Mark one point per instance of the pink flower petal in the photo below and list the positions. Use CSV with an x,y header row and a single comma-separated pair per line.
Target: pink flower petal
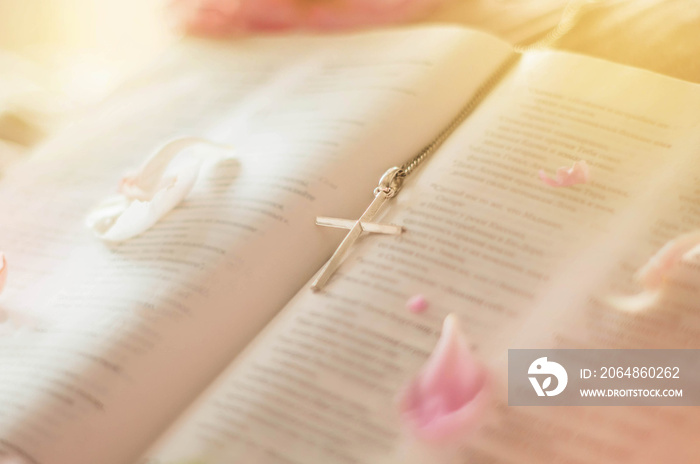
x,y
271,15
565,177
652,274
218,17
147,195
417,304
447,398
355,13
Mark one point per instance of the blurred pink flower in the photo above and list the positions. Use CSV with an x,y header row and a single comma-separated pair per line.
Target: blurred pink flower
x,y
566,177
222,17
445,402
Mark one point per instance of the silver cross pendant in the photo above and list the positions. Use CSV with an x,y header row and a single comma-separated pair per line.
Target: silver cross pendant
x,y
389,185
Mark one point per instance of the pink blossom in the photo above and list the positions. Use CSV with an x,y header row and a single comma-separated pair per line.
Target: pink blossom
x,y
566,177
447,398
221,17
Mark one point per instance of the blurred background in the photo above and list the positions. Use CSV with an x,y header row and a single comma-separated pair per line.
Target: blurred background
x,y
80,36
58,57
84,47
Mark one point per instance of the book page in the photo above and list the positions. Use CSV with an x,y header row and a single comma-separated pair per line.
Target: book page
x,y
103,344
521,263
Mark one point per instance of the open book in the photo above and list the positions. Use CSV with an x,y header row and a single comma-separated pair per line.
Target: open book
x,y
113,352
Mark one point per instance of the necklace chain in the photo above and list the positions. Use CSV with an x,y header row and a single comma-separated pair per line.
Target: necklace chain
x,y
570,16
408,167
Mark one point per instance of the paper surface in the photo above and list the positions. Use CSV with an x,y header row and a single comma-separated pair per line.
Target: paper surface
x,y
117,347
519,262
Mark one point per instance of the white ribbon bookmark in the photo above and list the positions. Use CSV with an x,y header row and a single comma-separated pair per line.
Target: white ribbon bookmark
x,y
148,194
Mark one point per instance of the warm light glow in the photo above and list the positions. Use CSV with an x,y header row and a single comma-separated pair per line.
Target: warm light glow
x,y
88,45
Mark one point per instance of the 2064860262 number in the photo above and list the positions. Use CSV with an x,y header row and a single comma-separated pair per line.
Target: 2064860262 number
x,y
640,372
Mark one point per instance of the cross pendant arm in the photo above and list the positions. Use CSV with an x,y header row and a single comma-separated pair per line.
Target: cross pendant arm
x,y
386,229
389,185
349,240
